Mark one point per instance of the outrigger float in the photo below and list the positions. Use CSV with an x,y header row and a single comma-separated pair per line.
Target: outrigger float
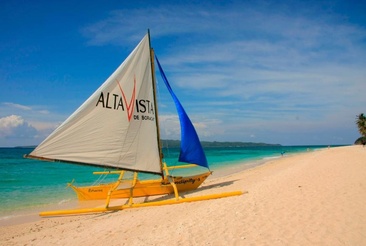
x,y
118,127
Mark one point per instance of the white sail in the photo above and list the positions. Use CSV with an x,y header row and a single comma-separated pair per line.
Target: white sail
x,y
116,126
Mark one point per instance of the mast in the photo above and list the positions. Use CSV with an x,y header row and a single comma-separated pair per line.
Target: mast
x,y
155,103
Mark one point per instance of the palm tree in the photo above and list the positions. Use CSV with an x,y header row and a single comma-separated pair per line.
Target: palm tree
x,y
361,124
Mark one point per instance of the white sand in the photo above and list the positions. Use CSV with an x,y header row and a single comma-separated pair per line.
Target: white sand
x,y
316,198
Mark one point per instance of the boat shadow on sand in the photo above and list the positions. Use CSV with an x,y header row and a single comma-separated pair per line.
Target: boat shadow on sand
x,y
171,196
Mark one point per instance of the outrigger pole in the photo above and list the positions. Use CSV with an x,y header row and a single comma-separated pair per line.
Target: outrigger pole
x,y
140,205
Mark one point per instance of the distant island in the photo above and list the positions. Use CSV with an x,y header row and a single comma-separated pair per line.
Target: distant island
x,y
205,144
215,144
25,147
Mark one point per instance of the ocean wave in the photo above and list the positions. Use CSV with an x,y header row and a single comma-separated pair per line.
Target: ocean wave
x,y
271,157
64,201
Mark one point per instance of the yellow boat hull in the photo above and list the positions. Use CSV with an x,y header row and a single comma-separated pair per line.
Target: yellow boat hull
x,y
142,188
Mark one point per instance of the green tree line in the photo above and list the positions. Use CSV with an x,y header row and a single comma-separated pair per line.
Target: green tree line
x,y
361,124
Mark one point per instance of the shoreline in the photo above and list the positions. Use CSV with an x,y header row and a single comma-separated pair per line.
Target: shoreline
x,y
19,203
23,216
30,215
311,198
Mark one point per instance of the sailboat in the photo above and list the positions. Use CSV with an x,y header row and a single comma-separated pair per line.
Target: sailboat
x,y
118,127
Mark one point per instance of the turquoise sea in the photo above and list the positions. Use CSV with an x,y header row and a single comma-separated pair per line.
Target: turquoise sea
x,y
30,184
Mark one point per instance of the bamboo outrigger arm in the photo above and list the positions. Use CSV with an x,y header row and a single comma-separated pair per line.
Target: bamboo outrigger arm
x,y
114,188
165,169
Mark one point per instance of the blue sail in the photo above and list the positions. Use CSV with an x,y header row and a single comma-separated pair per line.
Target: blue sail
x,y
191,150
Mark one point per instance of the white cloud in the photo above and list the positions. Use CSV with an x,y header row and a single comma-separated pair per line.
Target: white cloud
x,y
25,125
7,123
169,125
43,111
14,126
18,106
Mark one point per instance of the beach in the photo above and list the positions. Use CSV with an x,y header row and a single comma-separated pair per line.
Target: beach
x,y
313,198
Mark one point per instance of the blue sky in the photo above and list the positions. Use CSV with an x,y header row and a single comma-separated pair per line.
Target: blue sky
x,y
287,72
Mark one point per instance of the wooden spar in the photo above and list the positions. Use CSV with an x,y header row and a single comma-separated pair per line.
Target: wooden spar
x,y
179,167
84,164
169,168
139,205
39,158
109,172
155,104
